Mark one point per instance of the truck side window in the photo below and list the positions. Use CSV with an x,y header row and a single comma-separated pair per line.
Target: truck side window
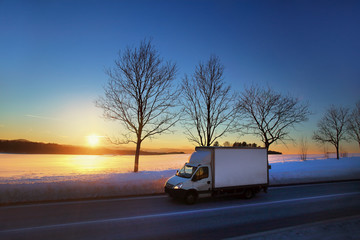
x,y
202,173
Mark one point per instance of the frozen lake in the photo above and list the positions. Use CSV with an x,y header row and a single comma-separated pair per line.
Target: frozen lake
x,y
20,166
35,166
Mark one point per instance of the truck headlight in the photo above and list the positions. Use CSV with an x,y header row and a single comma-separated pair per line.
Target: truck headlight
x,y
178,186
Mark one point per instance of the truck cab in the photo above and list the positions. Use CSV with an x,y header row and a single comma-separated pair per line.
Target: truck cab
x,y
194,179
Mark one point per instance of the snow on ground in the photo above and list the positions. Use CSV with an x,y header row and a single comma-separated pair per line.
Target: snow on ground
x,y
91,184
314,170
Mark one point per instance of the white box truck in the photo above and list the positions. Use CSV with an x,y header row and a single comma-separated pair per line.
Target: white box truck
x,y
212,171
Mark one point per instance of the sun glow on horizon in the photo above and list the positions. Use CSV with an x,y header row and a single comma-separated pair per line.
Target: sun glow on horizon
x,y
93,140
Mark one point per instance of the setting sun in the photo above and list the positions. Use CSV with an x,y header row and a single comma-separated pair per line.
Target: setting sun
x,y
93,140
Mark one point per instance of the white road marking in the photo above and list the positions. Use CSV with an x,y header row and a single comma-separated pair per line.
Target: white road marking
x,y
168,214
309,184
84,201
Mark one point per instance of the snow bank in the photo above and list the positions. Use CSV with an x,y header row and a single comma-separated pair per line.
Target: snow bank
x,y
46,188
314,170
91,186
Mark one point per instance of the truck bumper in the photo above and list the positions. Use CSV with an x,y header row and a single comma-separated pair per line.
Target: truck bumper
x,y
175,193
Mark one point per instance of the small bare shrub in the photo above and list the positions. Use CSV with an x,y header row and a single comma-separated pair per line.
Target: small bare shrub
x,y
326,152
343,153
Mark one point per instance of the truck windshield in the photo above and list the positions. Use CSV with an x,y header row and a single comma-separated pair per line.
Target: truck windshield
x,y
186,171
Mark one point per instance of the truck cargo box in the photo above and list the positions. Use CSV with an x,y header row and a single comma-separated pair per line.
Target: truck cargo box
x,y
239,167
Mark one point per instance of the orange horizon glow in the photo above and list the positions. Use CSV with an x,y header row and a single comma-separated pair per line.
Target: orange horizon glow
x,y
167,144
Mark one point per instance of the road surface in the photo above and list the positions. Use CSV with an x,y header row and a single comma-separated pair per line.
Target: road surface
x,y
158,217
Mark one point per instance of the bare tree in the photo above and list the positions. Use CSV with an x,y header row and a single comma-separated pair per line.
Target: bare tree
x,y
332,127
208,103
269,114
354,124
139,94
303,148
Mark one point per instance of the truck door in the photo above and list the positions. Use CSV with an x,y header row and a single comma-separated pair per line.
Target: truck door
x,y
202,179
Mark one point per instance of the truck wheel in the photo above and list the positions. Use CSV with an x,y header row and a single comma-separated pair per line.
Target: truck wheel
x,y
191,198
248,193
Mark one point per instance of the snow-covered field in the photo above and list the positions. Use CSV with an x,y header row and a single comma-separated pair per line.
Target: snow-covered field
x,y
57,177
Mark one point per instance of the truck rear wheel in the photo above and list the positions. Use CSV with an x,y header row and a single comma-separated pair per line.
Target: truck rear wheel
x,y
191,198
248,193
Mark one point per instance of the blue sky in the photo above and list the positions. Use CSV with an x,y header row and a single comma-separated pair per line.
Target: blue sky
x,y
53,55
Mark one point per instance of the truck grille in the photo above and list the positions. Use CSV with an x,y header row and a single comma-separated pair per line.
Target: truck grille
x,y
168,185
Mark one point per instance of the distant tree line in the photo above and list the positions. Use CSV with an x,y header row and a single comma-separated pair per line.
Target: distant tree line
x,y
236,144
243,144
28,147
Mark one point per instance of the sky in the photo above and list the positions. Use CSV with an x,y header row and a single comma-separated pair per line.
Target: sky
x,y
53,55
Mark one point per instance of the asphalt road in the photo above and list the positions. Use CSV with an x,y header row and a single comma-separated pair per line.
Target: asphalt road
x,y
158,217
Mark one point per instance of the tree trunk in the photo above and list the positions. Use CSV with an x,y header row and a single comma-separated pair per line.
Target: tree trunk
x,y
267,145
137,155
337,152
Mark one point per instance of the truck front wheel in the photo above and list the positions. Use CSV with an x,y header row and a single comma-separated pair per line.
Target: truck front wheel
x,y
248,193
191,197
